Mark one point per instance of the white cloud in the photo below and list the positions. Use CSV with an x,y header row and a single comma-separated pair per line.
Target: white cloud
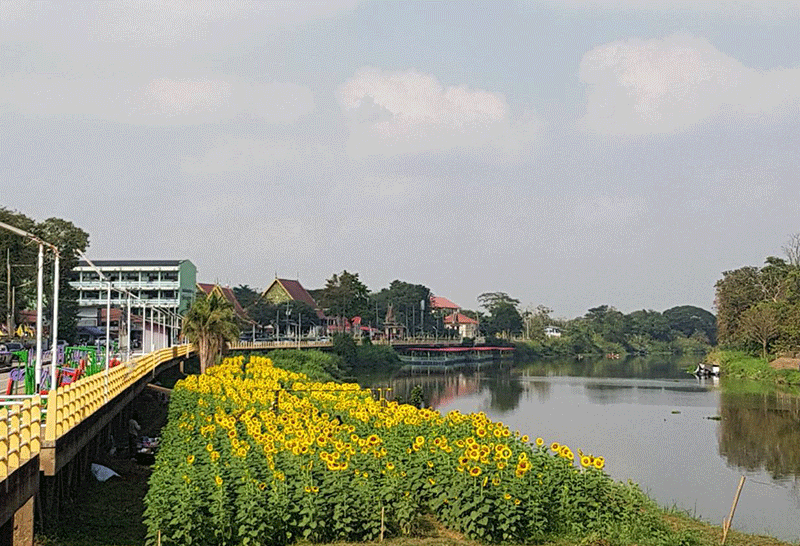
x,y
396,113
237,155
160,101
667,85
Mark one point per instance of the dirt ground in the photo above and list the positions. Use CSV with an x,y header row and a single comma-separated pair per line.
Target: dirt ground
x,y
786,363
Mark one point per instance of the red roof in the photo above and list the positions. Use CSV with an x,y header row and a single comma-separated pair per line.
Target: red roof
x,y
297,293
438,302
459,318
229,295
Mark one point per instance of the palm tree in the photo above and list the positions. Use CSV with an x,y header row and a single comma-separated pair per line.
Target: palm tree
x,y
209,325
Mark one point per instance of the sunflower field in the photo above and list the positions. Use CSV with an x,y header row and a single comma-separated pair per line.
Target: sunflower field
x,y
254,454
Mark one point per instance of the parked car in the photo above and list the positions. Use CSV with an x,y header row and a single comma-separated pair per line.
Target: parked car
x,y
7,350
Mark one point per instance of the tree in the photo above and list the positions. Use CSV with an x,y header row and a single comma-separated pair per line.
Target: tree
x,y
607,323
209,325
792,249
69,239
689,321
736,292
772,278
536,320
760,324
345,296
649,324
247,296
21,255
504,318
345,347
411,303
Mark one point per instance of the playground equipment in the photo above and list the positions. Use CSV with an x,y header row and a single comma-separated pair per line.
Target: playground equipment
x,y
77,362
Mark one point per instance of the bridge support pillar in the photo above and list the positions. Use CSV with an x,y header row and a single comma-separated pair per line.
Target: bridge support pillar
x,y
23,525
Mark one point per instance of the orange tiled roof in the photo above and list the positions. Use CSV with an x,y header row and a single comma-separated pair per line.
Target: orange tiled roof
x,y
459,318
438,302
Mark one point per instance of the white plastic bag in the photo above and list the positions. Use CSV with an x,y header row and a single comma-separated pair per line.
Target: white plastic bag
x,y
102,473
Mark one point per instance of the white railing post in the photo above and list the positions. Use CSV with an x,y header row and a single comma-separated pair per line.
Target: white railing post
x,y
39,283
54,329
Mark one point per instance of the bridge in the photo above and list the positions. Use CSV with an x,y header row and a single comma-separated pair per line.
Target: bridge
x,y
44,437
48,440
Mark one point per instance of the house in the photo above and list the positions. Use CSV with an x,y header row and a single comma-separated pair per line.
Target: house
x,y
286,290
443,305
466,326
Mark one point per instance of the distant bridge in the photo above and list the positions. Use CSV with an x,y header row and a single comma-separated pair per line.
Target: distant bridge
x,y
312,344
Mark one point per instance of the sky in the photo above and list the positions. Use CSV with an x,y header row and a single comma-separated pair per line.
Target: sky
x,y
570,154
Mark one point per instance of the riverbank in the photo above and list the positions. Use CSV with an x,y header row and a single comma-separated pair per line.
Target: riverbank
x,y
740,365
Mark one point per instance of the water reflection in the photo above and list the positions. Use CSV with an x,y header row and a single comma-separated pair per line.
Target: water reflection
x,y
761,431
503,387
644,367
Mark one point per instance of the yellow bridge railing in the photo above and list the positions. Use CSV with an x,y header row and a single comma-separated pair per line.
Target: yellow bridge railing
x,y
76,401
21,419
20,431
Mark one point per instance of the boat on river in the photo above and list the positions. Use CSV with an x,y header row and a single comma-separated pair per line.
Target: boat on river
x,y
706,371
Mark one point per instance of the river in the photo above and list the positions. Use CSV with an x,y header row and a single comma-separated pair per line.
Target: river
x,y
685,441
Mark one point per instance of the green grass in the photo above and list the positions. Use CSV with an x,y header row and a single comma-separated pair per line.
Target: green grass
x,y
740,365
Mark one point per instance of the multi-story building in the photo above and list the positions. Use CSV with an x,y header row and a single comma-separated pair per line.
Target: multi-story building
x,y
157,286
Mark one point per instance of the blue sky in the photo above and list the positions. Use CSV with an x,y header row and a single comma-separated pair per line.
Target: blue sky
x,y
571,154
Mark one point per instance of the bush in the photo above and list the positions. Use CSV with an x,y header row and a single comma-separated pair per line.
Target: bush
x,y
318,366
345,347
377,357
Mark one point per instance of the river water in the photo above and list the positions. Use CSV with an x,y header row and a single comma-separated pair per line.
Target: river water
x,y
685,441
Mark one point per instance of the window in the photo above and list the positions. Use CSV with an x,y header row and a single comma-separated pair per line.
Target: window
x,y
171,276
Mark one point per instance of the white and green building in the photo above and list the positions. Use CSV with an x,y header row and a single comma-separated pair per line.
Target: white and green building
x,y
156,291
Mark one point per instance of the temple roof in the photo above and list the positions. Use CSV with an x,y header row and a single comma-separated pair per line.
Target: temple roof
x,y
227,293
